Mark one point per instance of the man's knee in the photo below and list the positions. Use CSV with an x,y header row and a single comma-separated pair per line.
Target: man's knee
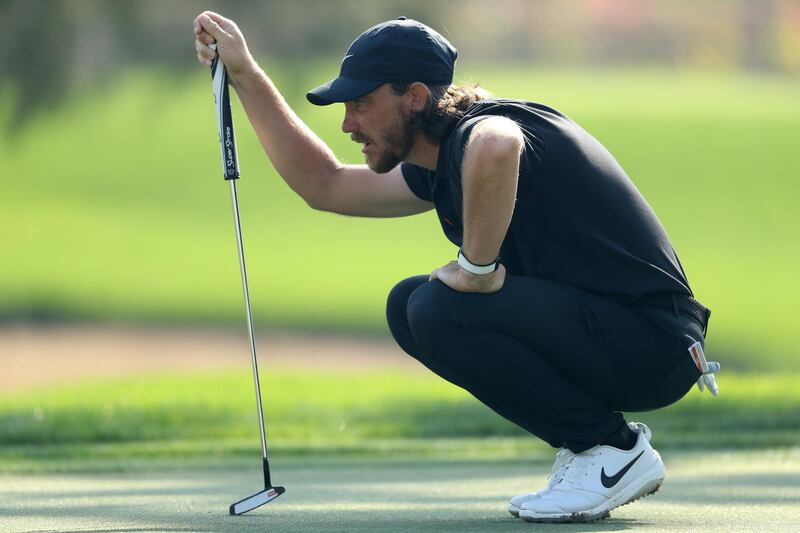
x,y
429,313
397,301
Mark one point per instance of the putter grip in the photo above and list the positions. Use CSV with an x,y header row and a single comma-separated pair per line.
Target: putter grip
x,y
227,140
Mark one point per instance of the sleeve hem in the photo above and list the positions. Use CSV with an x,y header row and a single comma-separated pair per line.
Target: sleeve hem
x,y
415,182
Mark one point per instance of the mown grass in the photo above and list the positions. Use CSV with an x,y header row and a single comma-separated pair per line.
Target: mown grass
x,y
211,417
113,207
710,491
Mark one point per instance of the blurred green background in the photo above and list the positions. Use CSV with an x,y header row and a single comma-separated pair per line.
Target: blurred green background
x,y
113,209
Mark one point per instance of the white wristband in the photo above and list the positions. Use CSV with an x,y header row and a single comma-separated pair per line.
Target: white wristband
x,y
479,270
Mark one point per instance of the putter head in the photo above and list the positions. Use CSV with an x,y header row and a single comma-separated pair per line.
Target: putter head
x,y
256,500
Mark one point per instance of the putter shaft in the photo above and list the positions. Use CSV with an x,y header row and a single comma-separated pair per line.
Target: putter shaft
x,y
245,288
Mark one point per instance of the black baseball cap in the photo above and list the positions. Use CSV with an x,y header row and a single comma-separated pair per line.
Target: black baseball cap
x,y
395,51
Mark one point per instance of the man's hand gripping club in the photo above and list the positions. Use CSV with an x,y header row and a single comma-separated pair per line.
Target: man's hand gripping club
x,y
211,28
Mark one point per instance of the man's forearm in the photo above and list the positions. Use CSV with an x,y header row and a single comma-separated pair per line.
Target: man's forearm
x,y
489,181
302,159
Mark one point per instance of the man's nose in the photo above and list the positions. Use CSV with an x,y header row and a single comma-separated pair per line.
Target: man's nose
x,y
348,124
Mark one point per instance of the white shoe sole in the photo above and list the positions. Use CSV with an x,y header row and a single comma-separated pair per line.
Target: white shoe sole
x,y
631,493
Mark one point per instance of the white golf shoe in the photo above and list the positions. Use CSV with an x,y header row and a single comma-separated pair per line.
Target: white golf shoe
x,y
596,481
563,457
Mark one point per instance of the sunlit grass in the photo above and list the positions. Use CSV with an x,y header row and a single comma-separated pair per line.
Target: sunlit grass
x,y
113,208
334,414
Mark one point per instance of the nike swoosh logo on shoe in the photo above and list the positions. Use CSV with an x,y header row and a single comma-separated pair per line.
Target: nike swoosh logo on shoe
x,y
610,481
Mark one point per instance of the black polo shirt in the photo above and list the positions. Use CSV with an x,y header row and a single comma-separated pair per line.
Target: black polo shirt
x,y
579,219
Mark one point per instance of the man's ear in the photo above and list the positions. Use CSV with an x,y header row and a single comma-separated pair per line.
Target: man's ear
x,y
417,96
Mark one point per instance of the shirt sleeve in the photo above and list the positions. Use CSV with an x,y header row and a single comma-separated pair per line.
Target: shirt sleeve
x,y
419,180
460,138
534,146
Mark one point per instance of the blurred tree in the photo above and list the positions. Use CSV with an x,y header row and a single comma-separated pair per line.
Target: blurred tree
x,y
757,22
52,47
36,57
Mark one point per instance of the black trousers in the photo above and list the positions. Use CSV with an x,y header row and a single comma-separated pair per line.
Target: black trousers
x,y
557,361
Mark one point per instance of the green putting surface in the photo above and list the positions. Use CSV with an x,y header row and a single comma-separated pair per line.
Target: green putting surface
x,y
737,491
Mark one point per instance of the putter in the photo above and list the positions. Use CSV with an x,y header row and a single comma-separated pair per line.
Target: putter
x,y
230,170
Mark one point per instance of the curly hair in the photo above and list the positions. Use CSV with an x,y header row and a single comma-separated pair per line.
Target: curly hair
x,y
446,106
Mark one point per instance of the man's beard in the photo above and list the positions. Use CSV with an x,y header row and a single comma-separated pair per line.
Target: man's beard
x,y
398,139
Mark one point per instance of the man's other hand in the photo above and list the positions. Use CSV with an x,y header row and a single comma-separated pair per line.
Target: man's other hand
x,y
460,280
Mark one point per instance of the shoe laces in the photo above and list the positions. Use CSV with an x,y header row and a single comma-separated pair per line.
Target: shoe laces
x,y
563,459
578,468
